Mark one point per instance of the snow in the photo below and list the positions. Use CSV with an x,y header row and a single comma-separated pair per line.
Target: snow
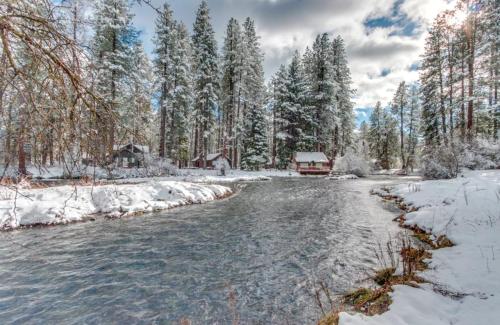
x,y
65,204
342,177
310,156
467,211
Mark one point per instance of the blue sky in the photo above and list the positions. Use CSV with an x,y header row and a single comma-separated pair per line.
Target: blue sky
x,y
384,39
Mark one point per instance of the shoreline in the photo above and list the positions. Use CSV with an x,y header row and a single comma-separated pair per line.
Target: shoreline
x,y
52,206
457,221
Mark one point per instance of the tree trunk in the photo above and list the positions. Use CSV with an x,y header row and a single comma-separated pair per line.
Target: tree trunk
x,y
401,134
21,155
470,106
462,93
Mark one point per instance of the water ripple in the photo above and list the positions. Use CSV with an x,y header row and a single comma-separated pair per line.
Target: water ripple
x,y
267,245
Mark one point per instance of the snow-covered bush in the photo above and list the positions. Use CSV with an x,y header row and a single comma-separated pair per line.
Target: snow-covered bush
x,y
352,163
480,154
161,166
440,162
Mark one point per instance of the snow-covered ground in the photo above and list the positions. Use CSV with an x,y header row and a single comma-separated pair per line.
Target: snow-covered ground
x,y
212,176
342,177
64,204
141,174
464,280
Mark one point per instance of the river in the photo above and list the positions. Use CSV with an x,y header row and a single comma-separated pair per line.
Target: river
x,y
255,256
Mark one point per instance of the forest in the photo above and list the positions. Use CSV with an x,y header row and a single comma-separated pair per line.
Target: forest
x,y
76,82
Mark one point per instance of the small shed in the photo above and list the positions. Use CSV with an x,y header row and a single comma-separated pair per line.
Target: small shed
x,y
130,155
315,163
214,161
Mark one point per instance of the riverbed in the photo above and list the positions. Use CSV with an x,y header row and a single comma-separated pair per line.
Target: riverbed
x,y
256,256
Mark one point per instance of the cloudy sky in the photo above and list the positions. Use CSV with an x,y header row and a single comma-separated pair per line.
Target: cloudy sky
x,y
384,39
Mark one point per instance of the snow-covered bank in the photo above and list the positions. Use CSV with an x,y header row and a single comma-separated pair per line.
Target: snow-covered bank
x,y
342,177
464,280
141,174
213,176
65,204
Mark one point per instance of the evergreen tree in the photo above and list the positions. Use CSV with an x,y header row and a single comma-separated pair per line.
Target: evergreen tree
x,y
413,116
112,56
181,98
282,153
296,111
399,108
205,80
363,140
136,122
344,127
319,70
383,136
254,153
163,66
231,88
431,78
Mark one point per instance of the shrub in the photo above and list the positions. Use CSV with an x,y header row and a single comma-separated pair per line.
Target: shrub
x,y
479,154
352,163
440,162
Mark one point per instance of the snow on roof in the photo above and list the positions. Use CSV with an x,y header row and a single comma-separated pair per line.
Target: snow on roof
x,y
144,149
310,156
210,156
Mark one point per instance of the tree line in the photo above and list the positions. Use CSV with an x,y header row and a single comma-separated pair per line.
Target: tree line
x,y
453,108
76,82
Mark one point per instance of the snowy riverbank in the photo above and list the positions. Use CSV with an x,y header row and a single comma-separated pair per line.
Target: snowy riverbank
x,y
63,204
213,176
464,280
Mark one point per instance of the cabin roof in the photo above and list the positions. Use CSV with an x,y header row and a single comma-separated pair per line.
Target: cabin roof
x,y
141,148
311,156
210,157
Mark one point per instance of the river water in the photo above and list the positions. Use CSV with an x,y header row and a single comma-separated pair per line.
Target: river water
x,y
256,256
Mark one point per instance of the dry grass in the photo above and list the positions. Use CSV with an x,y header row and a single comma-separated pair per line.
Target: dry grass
x,y
332,318
383,276
369,301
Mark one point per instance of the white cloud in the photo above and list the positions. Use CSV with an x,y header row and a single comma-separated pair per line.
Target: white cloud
x,y
289,25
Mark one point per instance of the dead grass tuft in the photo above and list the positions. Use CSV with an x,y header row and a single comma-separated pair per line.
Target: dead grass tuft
x,y
369,301
383,276
332,318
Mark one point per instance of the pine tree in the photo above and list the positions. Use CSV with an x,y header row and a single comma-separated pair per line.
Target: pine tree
x,y
296,110
112,56
137,119
231,87
281,154
205,80
181,96
163,65
433,100
490,63
382,136
254,153
363,140
399,108
413,116
344,128
319,70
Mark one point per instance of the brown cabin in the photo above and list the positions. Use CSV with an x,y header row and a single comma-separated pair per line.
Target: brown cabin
x,y
214,161
311,163
130,155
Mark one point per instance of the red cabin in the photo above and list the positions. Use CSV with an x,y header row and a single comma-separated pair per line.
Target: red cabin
x,y
312,163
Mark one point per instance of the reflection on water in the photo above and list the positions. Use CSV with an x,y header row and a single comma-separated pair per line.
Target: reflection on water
x,y
264,247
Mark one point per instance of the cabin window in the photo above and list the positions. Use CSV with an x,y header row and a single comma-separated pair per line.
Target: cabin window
x,y
125,162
